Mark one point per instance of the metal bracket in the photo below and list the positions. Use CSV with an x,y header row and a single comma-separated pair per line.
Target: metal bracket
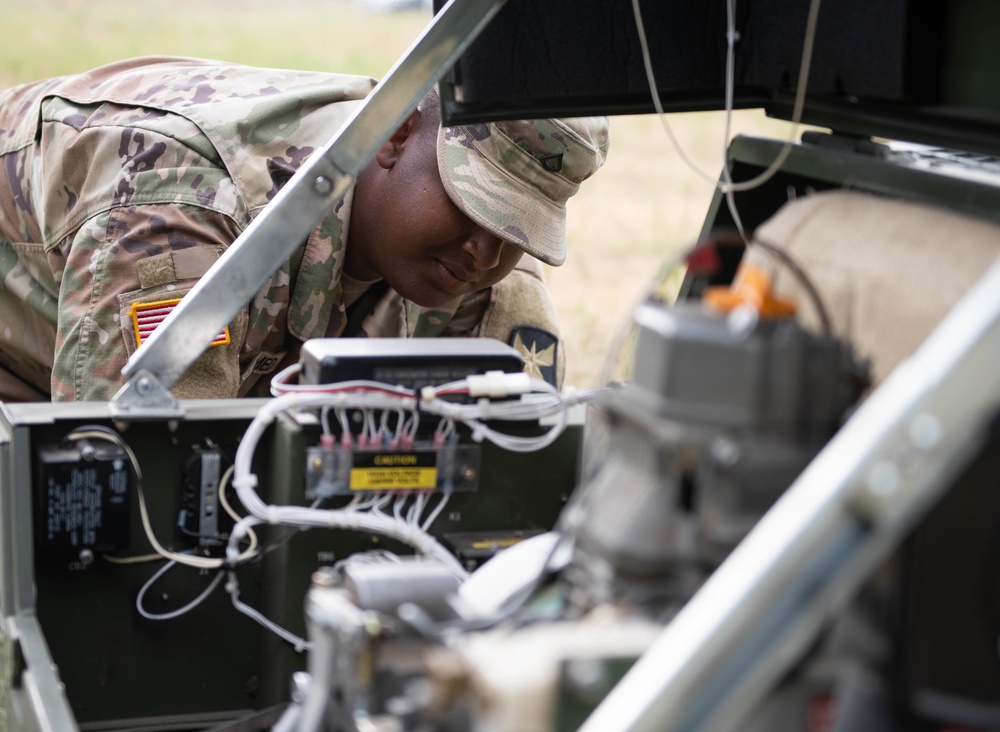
x,y
144,397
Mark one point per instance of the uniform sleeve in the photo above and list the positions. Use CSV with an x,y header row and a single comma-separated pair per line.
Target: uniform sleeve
x,y
521,314
124,269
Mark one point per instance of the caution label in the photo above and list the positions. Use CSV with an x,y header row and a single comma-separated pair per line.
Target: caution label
x,y
394,471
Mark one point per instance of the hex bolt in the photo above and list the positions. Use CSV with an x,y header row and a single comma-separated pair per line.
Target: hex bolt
x,y
323,185
300,686
725,452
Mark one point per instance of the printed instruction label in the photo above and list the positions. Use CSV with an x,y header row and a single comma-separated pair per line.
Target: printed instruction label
x,y
386,471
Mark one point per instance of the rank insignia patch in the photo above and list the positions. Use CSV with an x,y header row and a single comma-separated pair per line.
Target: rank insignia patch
x,y
146,316
539,348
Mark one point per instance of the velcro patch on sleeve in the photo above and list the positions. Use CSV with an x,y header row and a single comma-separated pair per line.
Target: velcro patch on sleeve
x,y
169,267
147,316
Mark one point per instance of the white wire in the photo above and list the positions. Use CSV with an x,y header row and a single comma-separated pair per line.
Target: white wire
x,y
224,502
546,403
408,529
180,611
417,509
411,435
437,511
647,62
233,588
798,105
381,500
138,559
726,185
278,380
383,428
373,523
370,425
362,504
98,432
345,427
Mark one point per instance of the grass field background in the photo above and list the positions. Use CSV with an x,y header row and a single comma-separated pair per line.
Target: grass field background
x,y
638,211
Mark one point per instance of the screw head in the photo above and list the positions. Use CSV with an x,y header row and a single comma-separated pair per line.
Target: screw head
x,y
323,185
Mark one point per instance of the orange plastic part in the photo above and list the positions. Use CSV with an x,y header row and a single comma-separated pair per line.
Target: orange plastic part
x,y
751,288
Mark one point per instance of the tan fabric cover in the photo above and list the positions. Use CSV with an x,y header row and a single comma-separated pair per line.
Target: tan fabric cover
x,y
888,270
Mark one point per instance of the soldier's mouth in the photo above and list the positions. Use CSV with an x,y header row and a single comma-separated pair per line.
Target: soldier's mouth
x,y
452,278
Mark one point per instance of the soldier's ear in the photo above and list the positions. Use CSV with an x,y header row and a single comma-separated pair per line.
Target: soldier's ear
x,y
389,153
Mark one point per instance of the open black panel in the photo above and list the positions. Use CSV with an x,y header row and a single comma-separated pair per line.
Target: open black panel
x,y
920,70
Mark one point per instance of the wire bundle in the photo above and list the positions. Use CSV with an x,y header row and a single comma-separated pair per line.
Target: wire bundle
x,y
390,416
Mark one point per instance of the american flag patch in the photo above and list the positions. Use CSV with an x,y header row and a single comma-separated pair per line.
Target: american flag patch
x,y
146,316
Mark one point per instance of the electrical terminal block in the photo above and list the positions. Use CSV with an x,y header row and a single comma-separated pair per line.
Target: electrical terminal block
x,y
333,470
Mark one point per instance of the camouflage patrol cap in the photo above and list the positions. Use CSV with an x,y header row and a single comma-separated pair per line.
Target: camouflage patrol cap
x,y
513,178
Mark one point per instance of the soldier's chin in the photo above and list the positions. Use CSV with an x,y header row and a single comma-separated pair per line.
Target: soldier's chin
x,y
431,298
422,293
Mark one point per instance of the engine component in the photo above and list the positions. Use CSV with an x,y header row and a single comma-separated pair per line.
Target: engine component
x,y
723,413
544,677
384,586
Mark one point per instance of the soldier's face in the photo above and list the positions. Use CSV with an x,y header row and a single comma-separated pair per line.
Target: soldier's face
x,y
406,229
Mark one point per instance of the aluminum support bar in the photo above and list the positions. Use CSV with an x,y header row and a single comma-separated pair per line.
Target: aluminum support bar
x,y
808,555
38,701
307,197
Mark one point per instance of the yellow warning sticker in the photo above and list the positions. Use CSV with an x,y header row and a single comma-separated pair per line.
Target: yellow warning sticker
x,y
393,479
497,543
393,471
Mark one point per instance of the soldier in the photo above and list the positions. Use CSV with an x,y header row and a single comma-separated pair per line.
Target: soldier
x,y
121,186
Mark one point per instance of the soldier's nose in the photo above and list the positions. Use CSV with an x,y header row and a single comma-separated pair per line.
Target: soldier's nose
x,y
484,248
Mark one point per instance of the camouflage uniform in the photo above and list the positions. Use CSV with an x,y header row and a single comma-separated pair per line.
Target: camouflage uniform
x,y
121,186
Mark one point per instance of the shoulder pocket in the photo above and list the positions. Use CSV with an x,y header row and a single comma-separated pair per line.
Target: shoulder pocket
x,y
216,373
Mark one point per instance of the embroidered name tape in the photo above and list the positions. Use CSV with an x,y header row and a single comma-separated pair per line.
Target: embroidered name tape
x,y
146,316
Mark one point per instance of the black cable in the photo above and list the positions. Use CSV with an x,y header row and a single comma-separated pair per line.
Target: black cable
x,y
803,279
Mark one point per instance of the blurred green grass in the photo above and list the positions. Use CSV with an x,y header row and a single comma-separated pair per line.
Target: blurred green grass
x,y
45,38
641,208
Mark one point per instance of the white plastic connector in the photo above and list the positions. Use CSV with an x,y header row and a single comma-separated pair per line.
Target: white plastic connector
x,y
245,482
499,384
